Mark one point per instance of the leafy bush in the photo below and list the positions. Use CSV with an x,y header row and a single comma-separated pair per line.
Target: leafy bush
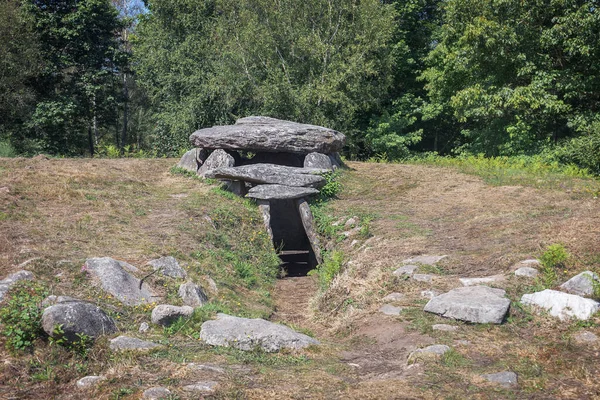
x,y
6,149
553,260
329,268
582,151
332,186
21,315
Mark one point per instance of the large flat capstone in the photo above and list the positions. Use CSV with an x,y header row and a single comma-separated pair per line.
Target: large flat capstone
x,y
280,192
269,135
271,174
248,334
478,304
562,305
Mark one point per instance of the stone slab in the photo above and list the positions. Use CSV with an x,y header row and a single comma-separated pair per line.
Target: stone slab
x,y
270,174
280,192
562,305
477,304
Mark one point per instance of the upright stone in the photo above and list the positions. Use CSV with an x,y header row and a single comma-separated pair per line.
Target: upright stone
x,y
265,209
318,160
188,161
309,227
218,159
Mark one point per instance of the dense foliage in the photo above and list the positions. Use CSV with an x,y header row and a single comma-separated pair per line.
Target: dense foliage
x,y
492,77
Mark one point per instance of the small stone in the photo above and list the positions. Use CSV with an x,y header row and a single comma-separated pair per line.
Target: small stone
x,y
124,343
206,367
480,281
166,314
585,337
422,277
201,387
168,266
430,294
424,260
192,294
478,304
562,305
532,263
144,327
406,270
351,222
505,379
527,272
89,381
393,297
581,284
433,351
156,393
390,310
444,327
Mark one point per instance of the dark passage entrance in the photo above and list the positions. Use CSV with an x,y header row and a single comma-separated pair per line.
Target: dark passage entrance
x,y
290,240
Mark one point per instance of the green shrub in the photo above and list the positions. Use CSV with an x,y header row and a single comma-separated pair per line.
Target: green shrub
x,y
552,260
21,315
6,149
329,268
332,186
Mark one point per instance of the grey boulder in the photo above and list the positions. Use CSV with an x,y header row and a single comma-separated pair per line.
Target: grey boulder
x,y
269,135
114,279
188,161
248,334
527,272
168,266
279,192
192,294
477,304
318,160
270,174
126,343
156,393
166,314
562,305
505,379
217,159
77,318
581,284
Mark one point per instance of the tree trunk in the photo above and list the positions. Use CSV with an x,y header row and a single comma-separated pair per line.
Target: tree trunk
x,y
91,140
125,111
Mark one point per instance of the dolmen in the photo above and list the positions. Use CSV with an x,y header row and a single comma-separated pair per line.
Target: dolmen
x,y
278,163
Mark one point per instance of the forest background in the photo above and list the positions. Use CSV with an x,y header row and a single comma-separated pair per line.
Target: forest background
x,y
401,78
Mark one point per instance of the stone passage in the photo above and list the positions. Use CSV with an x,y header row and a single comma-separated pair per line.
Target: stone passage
x,y
286,167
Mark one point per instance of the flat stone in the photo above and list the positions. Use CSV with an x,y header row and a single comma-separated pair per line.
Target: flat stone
x,y
581,284
280,192
201,387
562,305
528,272
269,135
166,314
144,327
393,297
388,309
217,159
77,318
406,270
206,367
505,379
114,279
424,260
444,327
192,295
480,281
433,351
477,304
271,174
248,334
156,393
168,266
422,277
318,160
585,337
532,263
124,343
89,381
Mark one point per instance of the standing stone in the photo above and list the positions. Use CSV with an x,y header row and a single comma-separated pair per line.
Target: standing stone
x,y
562,305
166,314
77,318
308,223
265,209
192,295
317,160
168,266
582,284
115,280
188,161
478,304
218,159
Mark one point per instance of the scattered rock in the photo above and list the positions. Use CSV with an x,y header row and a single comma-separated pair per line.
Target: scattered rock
x,y
247,334
124,343
388,309
585,337
582,284
318,160
201,387
144,327
393,297
280,192
217,159
444,327
424,260
188,161
422,277
168,266
206,367
9,281
433,351
352,232
269,135
166,314
192,294
430,294
477,304
77,318
156,393
115,280
270,174
505,379
406,270
89,381
527,272
480,281
351,222
562,305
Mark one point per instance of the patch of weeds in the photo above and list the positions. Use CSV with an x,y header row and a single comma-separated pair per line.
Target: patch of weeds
x,y
121,393
21,315
325,223
553,260
519,315
80,346
91,197
175,170
418,319
432,269
329,268
453,359
332,186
